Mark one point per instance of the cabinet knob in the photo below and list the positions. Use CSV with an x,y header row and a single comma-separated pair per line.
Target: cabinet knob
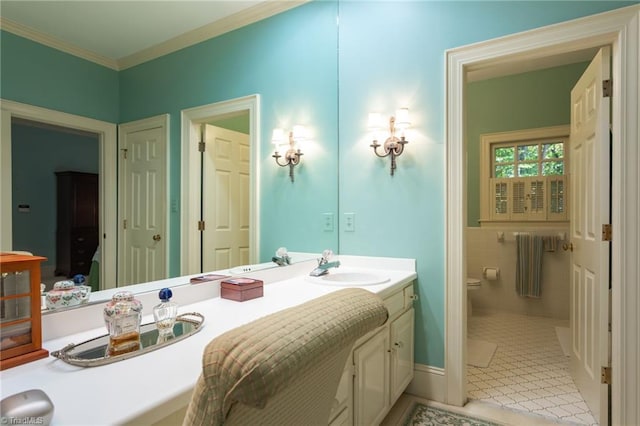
x,y
398,344
157,237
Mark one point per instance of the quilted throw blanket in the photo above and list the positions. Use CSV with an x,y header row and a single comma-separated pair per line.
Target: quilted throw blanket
x,y
251,363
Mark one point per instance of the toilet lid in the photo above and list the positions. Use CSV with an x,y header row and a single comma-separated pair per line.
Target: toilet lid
x,y
473,282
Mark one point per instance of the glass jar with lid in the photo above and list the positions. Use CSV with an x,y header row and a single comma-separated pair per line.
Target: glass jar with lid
x,y
122,316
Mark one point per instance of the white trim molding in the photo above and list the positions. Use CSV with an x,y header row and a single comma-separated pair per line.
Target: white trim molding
x,y
428,382
238,20
191,169
107,133
620,29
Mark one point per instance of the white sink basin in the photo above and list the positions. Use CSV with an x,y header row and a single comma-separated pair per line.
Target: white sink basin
x,y
348,278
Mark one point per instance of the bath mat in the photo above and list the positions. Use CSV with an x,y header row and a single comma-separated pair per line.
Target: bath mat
x,y
564,337
424,415
480,353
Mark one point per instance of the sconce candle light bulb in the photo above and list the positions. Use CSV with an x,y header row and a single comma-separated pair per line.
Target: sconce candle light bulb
x,y
393,146
293,153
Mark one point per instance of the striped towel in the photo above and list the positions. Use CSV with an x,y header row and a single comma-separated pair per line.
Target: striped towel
x,y
529,265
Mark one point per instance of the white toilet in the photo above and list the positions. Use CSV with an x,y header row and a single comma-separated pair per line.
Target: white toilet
x,y
472,284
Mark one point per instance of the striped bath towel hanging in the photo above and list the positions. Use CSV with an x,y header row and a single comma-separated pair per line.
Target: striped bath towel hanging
x,y
529,265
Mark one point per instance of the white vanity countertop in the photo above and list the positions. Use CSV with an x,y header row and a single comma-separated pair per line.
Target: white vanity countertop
x,y
149,387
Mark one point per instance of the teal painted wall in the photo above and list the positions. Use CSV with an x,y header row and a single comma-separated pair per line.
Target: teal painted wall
x,y
34,181
290,60
391,56
386,55
517,102
38,75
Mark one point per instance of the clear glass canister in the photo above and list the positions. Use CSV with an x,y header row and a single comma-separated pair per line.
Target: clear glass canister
x,y
122,316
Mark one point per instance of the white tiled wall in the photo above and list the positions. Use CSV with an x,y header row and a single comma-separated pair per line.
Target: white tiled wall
x,y
483,249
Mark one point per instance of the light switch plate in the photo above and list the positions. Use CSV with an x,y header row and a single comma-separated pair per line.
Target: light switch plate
x,y
349,222
327,222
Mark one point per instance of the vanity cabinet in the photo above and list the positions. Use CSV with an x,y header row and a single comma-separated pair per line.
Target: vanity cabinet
x,y
77,222
380,368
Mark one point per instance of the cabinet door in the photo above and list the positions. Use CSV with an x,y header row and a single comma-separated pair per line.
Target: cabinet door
x,y
401,354
371,388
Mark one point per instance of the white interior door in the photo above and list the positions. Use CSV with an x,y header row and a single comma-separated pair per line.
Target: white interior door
x,y
225,199
143,242
590,256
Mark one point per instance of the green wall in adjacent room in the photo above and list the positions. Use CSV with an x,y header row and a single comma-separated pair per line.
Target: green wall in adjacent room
x,y
516,102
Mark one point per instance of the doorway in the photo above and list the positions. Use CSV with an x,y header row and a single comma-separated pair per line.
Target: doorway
x,y
106,134
192,120
50,165
515,358
619,29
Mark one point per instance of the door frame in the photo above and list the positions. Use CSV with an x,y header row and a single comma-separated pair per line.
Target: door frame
x,y
107,143
620,29
190,167
161,121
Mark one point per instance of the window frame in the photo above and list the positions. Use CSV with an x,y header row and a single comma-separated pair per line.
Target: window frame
x,y
489,140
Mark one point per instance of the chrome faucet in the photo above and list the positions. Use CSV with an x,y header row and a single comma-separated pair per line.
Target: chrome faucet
x,y
324,265
282,257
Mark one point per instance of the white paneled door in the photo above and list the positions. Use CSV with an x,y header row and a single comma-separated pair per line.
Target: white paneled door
x,y
589,163
143,174
225,198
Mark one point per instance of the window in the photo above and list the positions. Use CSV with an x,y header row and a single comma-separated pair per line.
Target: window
x,y
523,175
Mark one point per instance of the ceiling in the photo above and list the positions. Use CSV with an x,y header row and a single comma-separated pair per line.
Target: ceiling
x,y
124,33
118,30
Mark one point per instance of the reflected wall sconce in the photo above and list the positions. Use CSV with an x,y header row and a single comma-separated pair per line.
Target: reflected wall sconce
x,y
393,145
293,152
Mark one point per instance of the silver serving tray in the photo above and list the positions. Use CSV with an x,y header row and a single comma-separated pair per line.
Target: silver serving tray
x,y
92,353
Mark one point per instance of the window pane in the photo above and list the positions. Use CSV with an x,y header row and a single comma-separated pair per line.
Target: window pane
x,y
553,150
528,169
504,155
557,196
504,171
527,152
553,168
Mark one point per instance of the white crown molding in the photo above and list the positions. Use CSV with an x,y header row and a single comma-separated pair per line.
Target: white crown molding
x,y
237,20
47,40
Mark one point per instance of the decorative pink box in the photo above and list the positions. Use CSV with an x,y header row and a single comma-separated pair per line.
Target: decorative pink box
x,y
241,289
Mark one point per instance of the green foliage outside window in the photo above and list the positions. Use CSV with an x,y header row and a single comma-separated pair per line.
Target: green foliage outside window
x,y
528,159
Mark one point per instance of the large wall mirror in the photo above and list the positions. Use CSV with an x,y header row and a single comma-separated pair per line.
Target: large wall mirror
x,y
289,60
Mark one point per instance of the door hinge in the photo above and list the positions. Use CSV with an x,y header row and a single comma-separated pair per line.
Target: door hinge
x,y
201,225
606,88
201,146
124,224
605,375
606,232
124,152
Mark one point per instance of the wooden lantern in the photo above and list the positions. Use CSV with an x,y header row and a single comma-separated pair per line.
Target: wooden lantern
x,y
20,310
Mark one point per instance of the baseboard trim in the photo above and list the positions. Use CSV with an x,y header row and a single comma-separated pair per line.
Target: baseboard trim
x,y
429,383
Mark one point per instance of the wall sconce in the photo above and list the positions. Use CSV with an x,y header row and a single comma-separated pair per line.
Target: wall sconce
x,y
393,145
293,153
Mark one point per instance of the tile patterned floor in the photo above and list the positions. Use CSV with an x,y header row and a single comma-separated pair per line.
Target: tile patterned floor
x,y
528,371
